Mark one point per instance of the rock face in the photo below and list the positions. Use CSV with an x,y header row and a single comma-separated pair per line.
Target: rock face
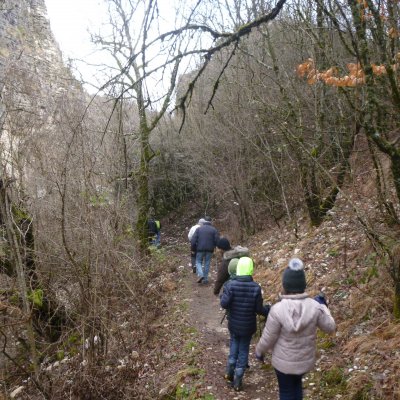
x,y
25,36
31,65
33,78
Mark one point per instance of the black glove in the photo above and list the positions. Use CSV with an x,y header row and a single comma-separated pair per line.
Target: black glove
x,y
266,308
320,298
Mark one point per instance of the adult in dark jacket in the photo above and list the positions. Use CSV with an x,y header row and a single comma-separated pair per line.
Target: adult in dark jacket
x,y
227,256
243,299
192,230
204,241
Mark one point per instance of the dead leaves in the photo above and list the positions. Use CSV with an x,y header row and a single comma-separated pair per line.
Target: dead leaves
x,y
354,78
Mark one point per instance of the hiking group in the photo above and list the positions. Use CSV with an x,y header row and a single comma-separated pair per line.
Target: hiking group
x,y
291,324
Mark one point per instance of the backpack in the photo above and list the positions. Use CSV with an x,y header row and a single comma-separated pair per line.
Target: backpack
x,y
152,226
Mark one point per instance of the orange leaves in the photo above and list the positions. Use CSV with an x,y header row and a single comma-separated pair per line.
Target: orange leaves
x,y
378,69
393,33
305,68
330,77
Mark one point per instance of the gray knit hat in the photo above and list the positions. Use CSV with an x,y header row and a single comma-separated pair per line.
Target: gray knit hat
x,y
294,278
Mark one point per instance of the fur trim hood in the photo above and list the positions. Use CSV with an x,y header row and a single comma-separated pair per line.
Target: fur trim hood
x,y
236,252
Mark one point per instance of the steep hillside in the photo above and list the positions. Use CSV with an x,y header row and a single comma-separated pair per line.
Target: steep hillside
x,y
361,361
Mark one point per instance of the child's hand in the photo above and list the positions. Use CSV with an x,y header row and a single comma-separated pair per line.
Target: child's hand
x,y
260,357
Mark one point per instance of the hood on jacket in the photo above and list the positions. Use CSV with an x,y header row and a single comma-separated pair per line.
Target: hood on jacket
x,y
232,267
236,252
245,267
298,314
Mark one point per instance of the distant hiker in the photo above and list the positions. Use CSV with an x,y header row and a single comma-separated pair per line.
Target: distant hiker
x,y
154,234
203,242
242,298
193,250
158,234
227,256
290,331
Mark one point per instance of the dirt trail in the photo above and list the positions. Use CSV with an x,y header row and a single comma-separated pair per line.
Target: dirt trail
x,y
213,340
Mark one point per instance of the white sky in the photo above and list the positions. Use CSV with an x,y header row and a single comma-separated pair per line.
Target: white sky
x,y
71,21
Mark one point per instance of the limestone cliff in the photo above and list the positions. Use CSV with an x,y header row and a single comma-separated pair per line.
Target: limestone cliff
x,y
33,81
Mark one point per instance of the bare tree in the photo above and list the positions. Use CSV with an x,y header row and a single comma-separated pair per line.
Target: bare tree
x,y
141,54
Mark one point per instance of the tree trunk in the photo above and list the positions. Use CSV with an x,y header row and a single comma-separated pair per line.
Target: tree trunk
x,y
143,202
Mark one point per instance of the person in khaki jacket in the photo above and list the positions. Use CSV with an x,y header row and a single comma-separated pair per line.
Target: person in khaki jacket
x,y
290,331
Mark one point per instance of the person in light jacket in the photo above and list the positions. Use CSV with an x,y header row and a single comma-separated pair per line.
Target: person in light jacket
x,y
192,230
290,332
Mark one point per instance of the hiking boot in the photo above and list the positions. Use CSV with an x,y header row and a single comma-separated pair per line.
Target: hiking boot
x,y
237,379
228,378
229,372
237,384
200,280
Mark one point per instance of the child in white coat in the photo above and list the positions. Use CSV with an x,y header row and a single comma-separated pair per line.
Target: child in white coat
x,y
290,332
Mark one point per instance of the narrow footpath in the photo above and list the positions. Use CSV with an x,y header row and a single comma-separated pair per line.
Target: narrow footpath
x,y
212,338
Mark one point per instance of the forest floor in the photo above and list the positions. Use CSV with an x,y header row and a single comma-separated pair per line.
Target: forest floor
x,y
361,361
180,352
201,365
205,315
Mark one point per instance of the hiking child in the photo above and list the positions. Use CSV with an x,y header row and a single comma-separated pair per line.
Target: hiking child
x,y
227,255
290,331
193,250
158,234
232,267
203,242
242,298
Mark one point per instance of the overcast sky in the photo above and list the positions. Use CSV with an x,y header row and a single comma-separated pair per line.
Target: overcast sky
x,y
71,21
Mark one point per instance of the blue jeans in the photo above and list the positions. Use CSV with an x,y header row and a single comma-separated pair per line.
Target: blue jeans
x,y
290,386
158,239
238,353
203,272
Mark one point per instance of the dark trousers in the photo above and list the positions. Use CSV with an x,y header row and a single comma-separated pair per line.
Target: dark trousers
x,y
239,352
290,386
193,258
